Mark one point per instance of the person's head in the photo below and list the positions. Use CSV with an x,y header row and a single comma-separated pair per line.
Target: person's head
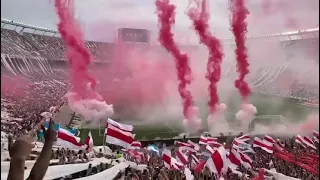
x,y
100,150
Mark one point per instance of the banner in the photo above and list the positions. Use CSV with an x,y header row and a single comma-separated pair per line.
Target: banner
x,y
134,35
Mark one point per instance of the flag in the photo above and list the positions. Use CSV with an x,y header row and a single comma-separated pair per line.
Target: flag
x,y
181,157
119,134
300,140
269,139
217,162
123,127
67,140
246,161
89,142
233,159
244,138
264,145
169,161
135,145
308,141
153,149
203,140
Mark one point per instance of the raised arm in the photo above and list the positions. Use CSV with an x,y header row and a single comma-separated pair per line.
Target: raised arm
x,y
19,152
39,169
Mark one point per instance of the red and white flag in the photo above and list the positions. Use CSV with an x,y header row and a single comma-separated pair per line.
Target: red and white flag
x,y
210,149
123,127
67,140
246,161
181,157
300,140
212,139
119,134
279,146
194,160
264,145
244,138
203,140
237,142
196,147
234,159
308,141
217,163
237,157
269,139
169,161
184,145
136,145
214,144
316,136
135,154
89,142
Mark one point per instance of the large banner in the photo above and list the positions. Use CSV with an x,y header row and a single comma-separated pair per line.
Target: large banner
x,y
134,35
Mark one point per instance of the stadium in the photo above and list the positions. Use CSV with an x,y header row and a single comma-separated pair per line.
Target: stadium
x,y
160,90
39,60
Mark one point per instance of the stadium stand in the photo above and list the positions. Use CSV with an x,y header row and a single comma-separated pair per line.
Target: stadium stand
x,y
36,57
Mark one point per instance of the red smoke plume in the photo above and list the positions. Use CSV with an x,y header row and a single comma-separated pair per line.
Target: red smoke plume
x,y
200,17
238,27
77,53
166,16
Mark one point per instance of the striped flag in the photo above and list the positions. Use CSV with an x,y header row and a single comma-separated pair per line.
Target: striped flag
x,y
264,145
119,134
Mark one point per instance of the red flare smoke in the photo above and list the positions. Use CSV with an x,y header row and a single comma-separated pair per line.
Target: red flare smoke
x,y
200,17
238,22
166,16
77,53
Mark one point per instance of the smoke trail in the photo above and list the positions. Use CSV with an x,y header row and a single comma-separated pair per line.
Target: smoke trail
x,y
77,53
200,17
82,97
239,28
166,18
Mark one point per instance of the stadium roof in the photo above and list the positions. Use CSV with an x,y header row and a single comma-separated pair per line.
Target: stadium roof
x,y
297,32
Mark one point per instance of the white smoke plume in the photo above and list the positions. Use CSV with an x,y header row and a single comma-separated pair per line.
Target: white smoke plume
x,y
287,127
193,124
92,109
246,115
216,121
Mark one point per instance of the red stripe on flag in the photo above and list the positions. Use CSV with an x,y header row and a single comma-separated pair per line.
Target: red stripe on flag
x,y
121,136
68,138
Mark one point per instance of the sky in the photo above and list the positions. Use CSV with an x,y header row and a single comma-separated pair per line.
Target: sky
x,y
100,18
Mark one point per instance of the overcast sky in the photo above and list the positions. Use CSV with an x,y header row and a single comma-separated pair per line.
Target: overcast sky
x,y
101,17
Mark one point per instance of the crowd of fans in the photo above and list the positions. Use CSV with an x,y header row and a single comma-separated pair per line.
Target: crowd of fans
x,y
261,160
48,46
156,169
26,101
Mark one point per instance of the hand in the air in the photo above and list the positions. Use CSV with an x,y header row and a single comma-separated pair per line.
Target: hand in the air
x,y
21,148
50,135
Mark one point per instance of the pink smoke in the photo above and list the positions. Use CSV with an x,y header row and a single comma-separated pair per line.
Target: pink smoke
x,y
239,14
166,16
311,123
78,55
200,17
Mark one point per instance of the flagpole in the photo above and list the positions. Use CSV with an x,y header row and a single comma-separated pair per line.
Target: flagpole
x,y
104,142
